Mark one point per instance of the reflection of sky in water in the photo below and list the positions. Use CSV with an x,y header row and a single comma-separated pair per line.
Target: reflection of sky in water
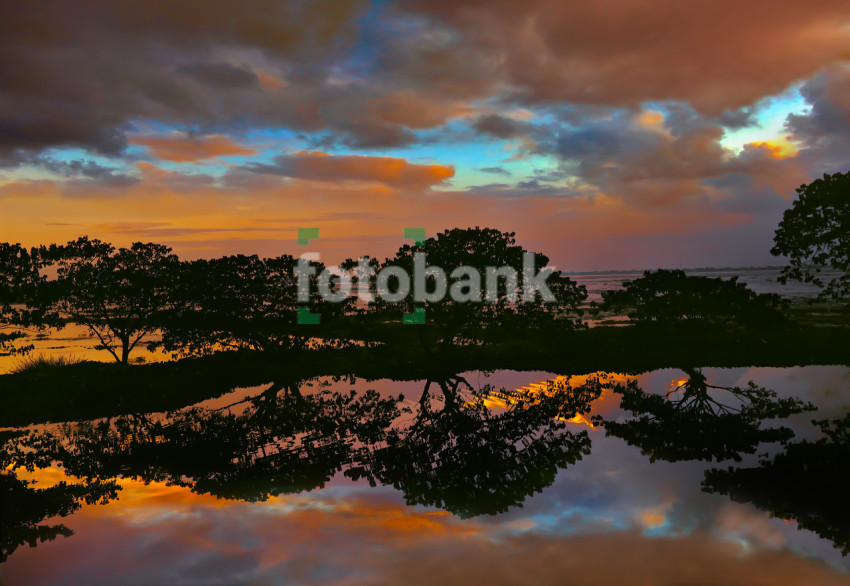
x,y
613,517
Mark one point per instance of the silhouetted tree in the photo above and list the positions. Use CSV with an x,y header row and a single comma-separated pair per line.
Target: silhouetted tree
x,y
806,483
815,234
671,296
20,287
119,295
455,450
239,302
471,318
699,421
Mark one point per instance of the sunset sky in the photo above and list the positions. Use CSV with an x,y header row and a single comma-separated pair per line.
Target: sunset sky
x,y
610,135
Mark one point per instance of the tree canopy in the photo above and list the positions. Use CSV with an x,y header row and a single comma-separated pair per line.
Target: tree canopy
x,y
671,296
119,295
19,296
701,421
236,302
471,306
815,235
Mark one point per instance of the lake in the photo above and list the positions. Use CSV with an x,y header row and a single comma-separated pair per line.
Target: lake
x,y
273,491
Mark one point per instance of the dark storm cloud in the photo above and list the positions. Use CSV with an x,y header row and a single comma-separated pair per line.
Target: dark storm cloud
x,y
680,118
653,158
79,74
83,171
85,75
347,74
78,167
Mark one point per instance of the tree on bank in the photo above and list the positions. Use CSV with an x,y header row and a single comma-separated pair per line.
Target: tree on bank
x,y
13,260
119,295
240,302
815,235
701,421
485,285
20,288
667,297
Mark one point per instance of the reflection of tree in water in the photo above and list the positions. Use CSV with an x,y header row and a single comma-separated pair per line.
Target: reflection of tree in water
x,y
24,506
454,452
699,421
469,460
450,450
282,443
807,483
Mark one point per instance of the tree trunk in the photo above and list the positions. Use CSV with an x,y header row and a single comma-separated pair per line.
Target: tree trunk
x,y
125,350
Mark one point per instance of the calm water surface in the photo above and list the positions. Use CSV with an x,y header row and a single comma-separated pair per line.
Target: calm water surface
x,y
591,510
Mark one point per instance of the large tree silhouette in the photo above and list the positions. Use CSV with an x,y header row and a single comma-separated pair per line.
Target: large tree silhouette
x,y
451,448
815,235
21,289
473,317
119,295
238,302
25,506
670,297
282,441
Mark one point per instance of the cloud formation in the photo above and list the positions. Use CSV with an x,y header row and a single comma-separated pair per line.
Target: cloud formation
x,y
715,55
629,122
188,150
319,166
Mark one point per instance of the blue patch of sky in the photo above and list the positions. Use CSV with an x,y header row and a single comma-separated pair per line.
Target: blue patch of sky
x,y
469,157
35,172
770,115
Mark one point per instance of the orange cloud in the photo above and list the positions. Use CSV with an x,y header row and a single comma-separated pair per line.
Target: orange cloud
x,y
391,171
271,83
562,383
779,148
414,111
186,150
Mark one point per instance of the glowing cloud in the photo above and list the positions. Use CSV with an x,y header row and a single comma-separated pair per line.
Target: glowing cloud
x,y
187,150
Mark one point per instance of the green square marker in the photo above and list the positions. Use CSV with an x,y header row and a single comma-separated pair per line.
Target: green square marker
x,y
417,317
305,235
415,234
305,317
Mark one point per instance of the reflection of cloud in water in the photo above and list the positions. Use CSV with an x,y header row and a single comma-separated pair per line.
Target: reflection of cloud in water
x,y
167,535
612,517
502,398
